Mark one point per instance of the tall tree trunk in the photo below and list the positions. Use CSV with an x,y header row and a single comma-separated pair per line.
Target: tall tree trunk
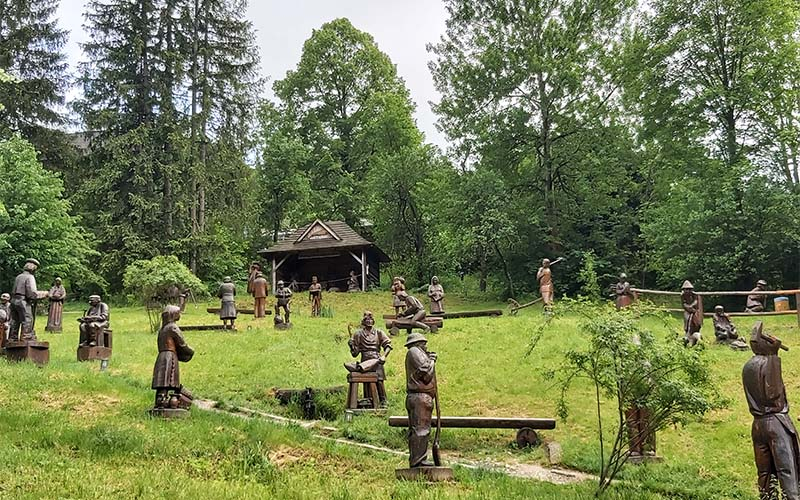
x,y
483,270
193,134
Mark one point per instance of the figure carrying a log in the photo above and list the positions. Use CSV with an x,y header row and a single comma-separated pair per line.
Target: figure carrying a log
x,y
775,443
398,285
368,341
254,269
171,396
93,323
260,287
545,277
756,301
315,296
421,391
227,296
692,314
55,311
414,313
436,294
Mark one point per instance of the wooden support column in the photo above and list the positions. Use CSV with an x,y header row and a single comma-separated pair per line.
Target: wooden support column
x,y
274,274
797,306
363,270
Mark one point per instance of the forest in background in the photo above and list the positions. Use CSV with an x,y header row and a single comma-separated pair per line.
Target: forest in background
x,y
658,138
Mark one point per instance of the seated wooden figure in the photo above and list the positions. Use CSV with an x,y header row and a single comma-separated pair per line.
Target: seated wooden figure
x,y
368,341
172,399
95,337
756,301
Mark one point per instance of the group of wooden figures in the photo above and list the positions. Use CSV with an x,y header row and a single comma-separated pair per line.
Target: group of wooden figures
x,y
724,330
18,338
775,440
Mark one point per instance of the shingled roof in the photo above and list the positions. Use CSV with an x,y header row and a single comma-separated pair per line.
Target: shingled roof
x,y
319,235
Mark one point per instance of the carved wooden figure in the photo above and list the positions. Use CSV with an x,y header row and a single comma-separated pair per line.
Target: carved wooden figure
x,y
436,294
315,296
55,311
775,445
172,399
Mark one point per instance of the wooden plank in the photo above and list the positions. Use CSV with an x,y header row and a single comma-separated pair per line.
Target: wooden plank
x,y
741,313
199,328
460,314
215,310
719,294
403,322
482,422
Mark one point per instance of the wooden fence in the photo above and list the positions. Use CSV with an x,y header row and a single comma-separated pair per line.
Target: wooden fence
x,y
700,295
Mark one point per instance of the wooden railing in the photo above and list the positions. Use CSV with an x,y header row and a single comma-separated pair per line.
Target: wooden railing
x,y
777,293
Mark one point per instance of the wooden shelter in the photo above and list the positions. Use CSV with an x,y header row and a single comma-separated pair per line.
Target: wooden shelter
x,y
328,250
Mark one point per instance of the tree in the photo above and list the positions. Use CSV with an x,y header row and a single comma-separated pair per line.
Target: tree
x,y
521,82
31,50
625,363
158,281
284,187
35,220
151,187
333,96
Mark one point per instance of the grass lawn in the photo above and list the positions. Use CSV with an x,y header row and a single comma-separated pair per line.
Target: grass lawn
x,y
70,431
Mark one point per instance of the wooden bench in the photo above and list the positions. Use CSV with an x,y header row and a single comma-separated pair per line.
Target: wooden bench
x,y
526,435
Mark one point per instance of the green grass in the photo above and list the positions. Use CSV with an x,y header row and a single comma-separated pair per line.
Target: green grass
x,y
70,431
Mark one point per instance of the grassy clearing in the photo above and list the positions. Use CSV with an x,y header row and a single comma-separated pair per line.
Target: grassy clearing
x,y
72,427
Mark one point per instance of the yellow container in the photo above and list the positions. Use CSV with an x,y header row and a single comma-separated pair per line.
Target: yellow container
x,y
781,304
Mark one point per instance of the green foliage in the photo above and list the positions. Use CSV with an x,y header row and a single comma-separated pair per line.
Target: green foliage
x,y
588,276
159,178
35,221
155,279
336,97
31,51
627,364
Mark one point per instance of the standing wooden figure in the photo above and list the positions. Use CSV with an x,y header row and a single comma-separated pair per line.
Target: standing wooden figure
x,y
172,399
622,292
398,285
315,296
775,444
545,277
692,314
283,294
54,313
227,295
436,294
260,288
352,282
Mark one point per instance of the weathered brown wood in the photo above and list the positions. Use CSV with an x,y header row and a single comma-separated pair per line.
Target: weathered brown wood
x,y
460,314
482,422
215,310
797,305
741,313
198,328
402,322
719,294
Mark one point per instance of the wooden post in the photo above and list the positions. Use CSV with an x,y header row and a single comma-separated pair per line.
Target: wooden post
x,y
363,270
797,306
274,274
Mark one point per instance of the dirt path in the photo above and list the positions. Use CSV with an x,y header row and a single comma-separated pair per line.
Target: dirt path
x,y
511,468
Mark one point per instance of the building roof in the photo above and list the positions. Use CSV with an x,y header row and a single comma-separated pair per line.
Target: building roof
x,y
319,235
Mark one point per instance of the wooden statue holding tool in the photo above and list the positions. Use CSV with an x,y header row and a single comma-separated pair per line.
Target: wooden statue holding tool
x,y
422,395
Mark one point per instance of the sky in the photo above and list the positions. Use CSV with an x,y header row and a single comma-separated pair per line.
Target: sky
x,y
400,28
